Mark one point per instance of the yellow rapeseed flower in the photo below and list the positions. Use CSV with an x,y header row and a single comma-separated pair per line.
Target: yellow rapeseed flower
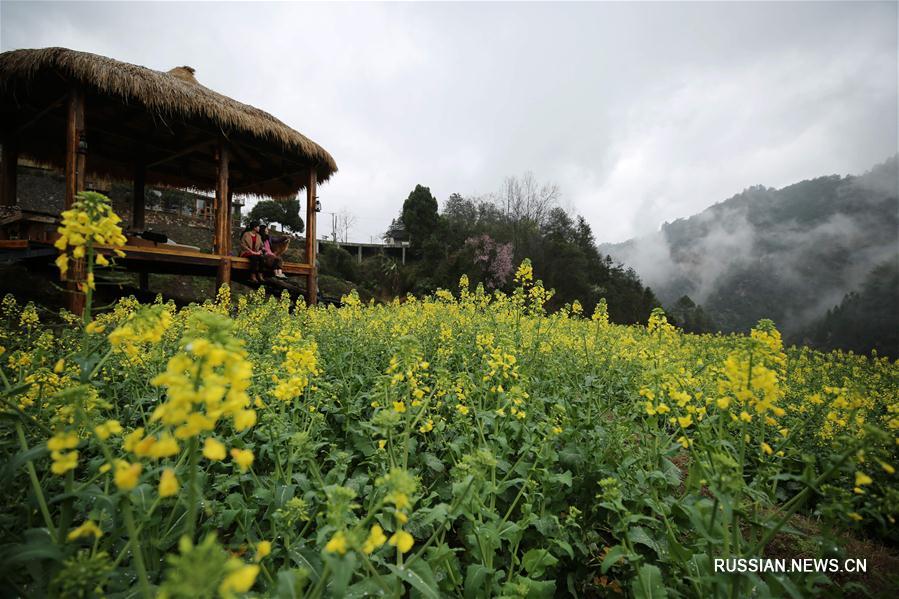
x,y
243,457
63,462
244,419
107,429
240,580
337,544
132,439
168,483
127,475
89,528
213,450
402,540
166,446
376,538
263,550
61,441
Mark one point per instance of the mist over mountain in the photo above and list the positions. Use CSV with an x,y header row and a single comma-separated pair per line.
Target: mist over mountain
x,y
788,254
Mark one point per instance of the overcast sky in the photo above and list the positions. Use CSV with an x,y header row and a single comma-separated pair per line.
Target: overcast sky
x,y
640,112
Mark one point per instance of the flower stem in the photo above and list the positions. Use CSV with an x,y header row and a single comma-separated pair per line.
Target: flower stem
x,y
192,491
135,548
35,484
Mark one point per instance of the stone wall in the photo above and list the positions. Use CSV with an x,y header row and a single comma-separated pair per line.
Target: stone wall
x,y
42,190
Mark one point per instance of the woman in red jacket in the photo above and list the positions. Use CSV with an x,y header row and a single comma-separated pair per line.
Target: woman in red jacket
x,y
251,247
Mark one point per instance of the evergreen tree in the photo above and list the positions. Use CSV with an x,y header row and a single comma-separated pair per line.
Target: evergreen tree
x,y
420,217
284,212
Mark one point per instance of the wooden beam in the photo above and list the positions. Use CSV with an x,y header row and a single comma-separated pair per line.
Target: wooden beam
x,y
41,113
222,241
183,152
8,174
286,177
312,277
75,162
138,193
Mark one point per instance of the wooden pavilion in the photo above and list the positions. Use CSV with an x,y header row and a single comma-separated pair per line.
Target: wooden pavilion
x,y
94,116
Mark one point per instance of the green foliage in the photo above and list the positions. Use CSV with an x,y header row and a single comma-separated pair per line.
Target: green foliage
x,y
866,320
690,316
419,215
561,246
335,261
284,212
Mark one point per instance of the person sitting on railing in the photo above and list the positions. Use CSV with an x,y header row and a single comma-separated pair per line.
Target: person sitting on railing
x,y
271,260
251,248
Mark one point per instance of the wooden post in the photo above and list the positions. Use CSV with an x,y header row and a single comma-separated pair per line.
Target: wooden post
x,y
75,154
222,241
138,200
76,150
229,226
8,176
223,277
312,277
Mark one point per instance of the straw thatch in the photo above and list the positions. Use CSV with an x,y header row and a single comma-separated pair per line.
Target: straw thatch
x,y
135,113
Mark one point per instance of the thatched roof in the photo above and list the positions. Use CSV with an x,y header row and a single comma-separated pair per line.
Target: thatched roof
x,y
135,113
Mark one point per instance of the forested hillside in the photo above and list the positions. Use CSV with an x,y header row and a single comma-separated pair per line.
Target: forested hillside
x,y
788,254
485,237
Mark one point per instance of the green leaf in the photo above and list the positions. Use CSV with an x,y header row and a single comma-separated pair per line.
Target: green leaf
x,y
638,536
537,589
678,551
648,584
341,572
374,586
475,581
20,459
672,473
291,582
564,546
536,561
433,462
420,577
612,556
38,545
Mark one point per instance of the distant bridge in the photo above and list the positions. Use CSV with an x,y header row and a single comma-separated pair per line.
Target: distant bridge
x,y
396,249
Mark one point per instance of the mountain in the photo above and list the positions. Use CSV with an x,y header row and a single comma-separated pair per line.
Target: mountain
x,y
787,254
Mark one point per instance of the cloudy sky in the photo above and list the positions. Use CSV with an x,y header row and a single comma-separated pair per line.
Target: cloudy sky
x,y
640,112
